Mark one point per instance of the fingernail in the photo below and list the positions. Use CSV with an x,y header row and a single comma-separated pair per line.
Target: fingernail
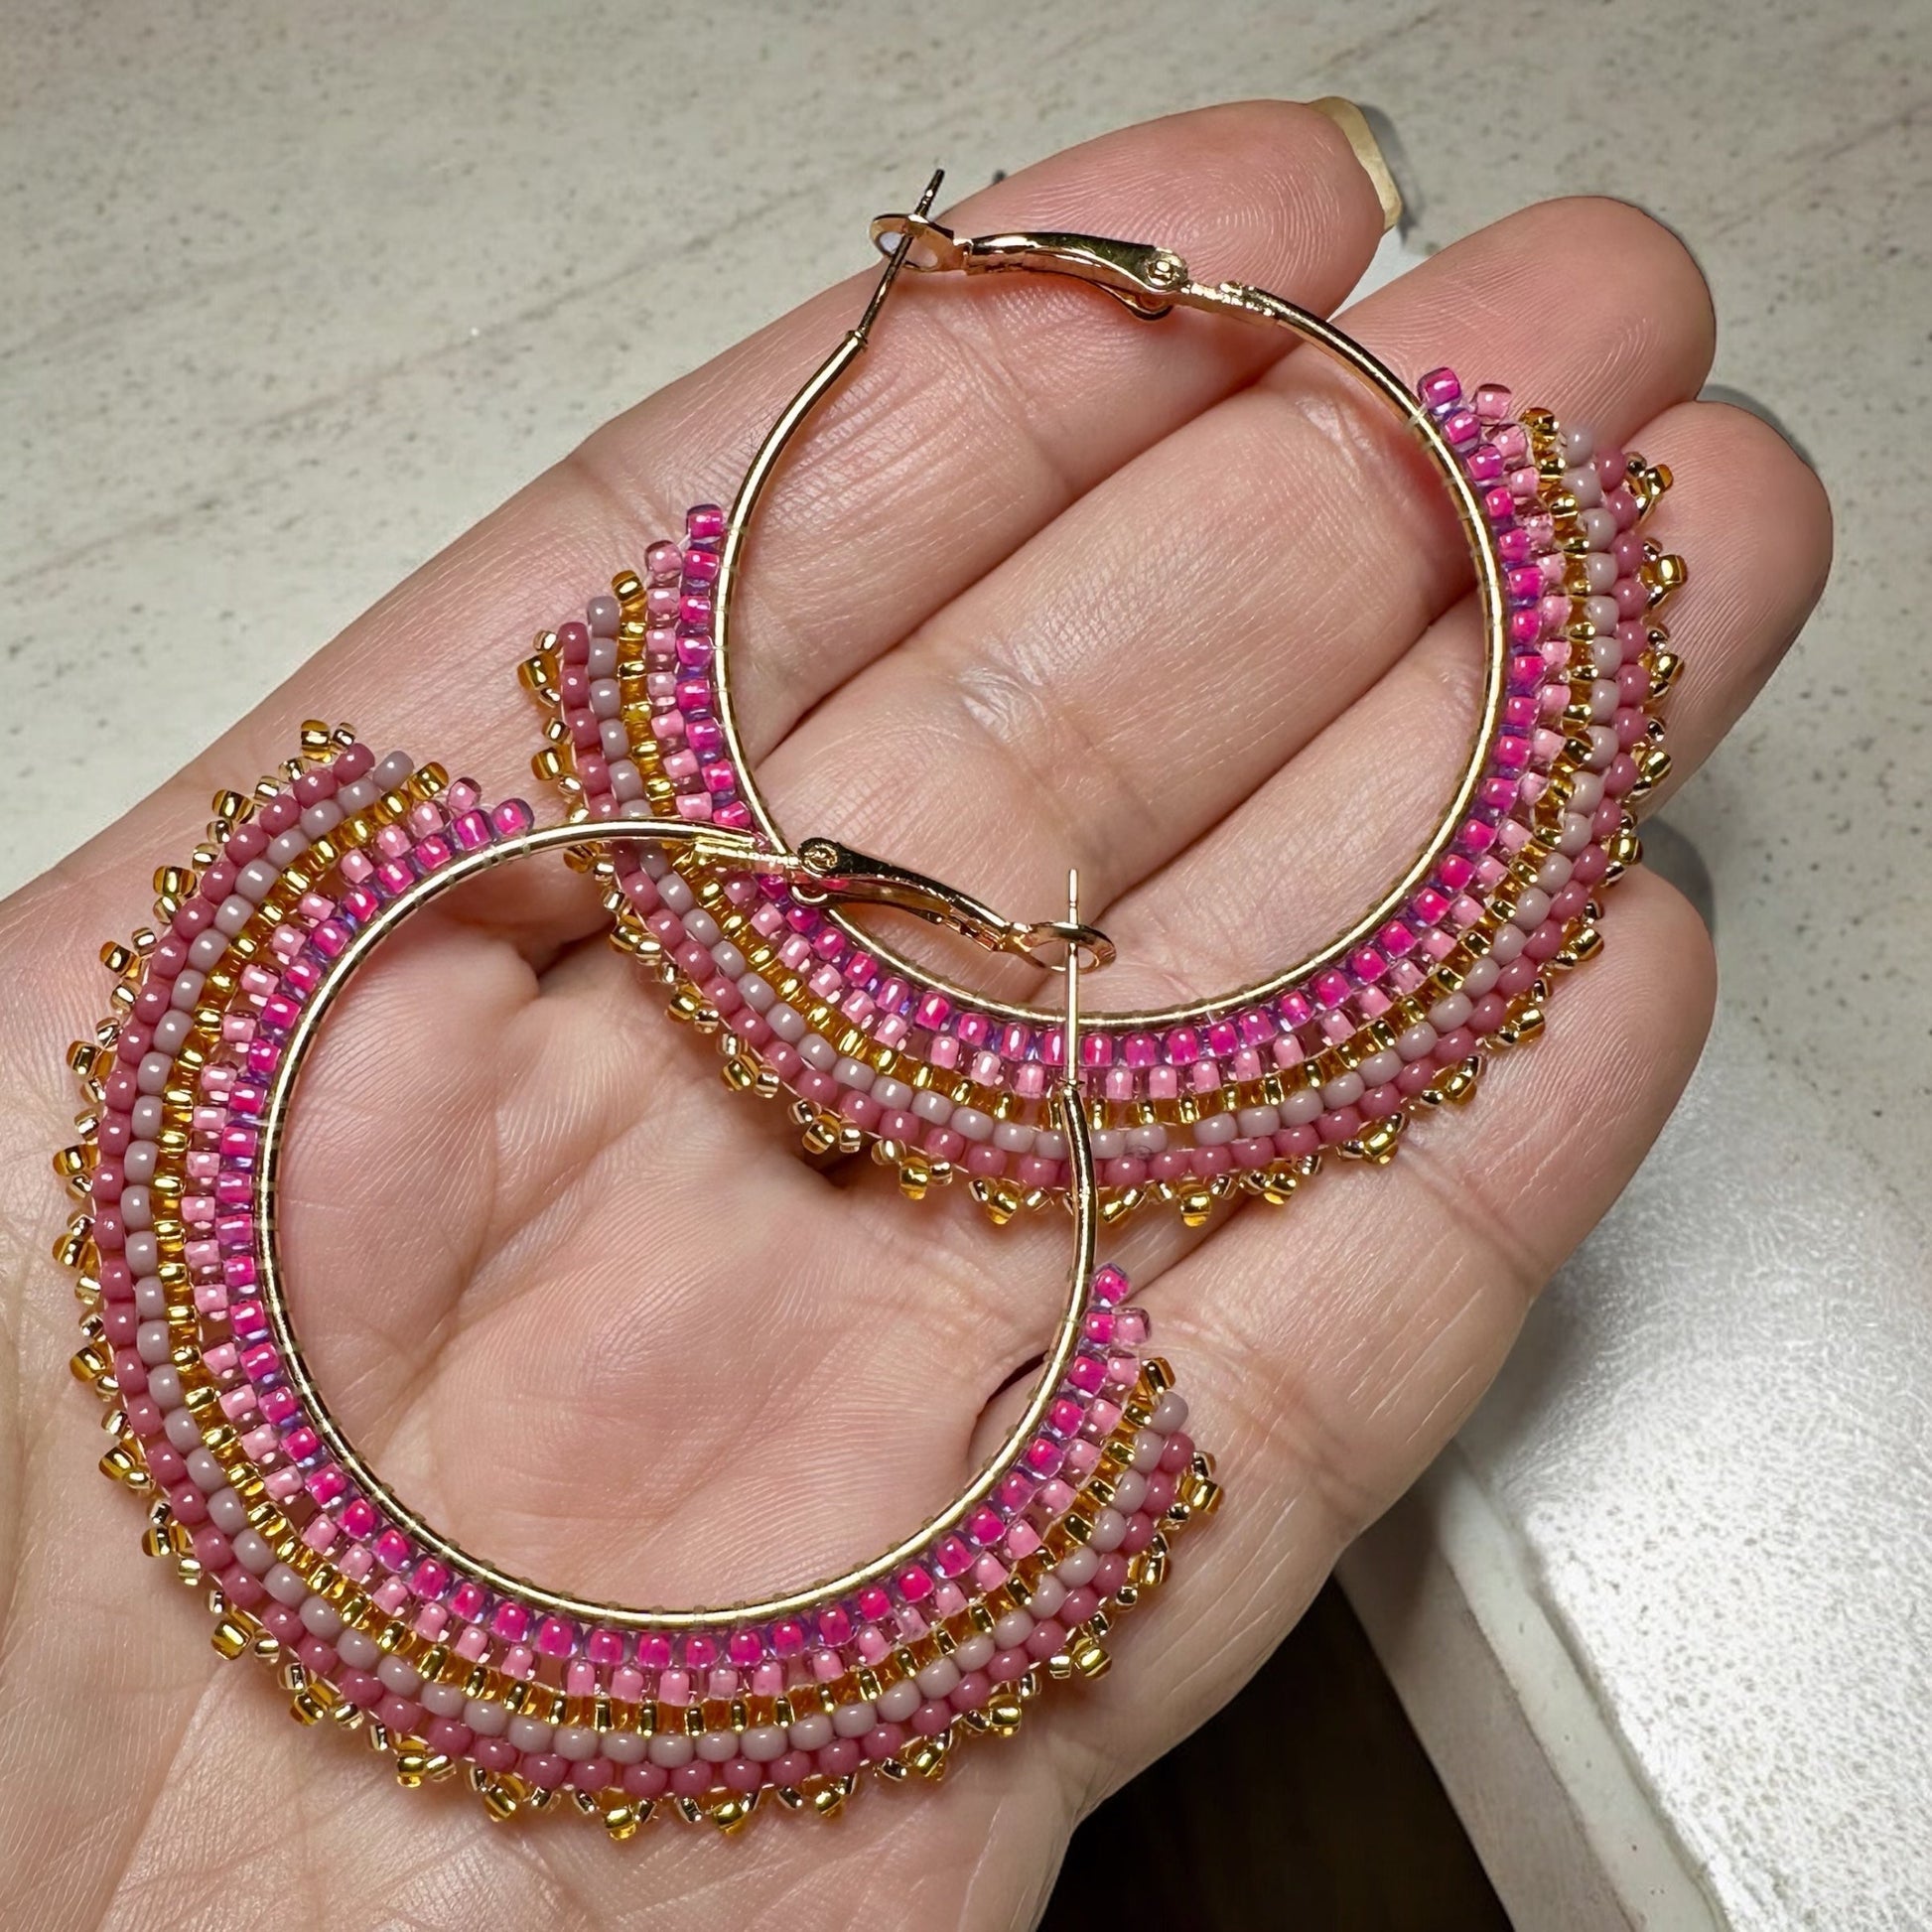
x,y
1360,136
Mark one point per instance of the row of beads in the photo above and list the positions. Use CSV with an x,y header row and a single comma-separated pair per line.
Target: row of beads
x,y
1338,1061
1064,1530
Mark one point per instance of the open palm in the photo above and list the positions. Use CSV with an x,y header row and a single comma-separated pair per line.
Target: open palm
x,y
1044,587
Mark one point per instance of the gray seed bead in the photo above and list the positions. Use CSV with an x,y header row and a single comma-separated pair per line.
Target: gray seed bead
x,y
575,1743
635,807
603,659
812,1734
931,1106
206,950
529,1733
612,739
135,1210
1015,1137
321,818
759,993
321,1619
1585,792
443,1700
1532,908
1575,834
1216,1130
163,1384
1601,612
939,1679
228,1512
601,615
972,1125
671,1748
1143,1141
975,1653
818,1053
1480,978
731,962
624,1746
1417,1040
484,1719
1606,656
1586,486
854,1720
1047,1598
897,1702
1109,1144
255,880
855,1074
399,1675
1169,1412
171,1032
1129,1493
1505,944
1552,875
1579,443
1147,1451
1344,1092
151,1077
1600,572
1012,1629
606,697
1602,701
1448,1014
1254,1122
1380,1068
676,892
762,1743
355,796
183,1431
1598,527
718,1747
893,1095
251,1550
285,848
393,772
151,1341
1302,1108
186,989
1109,1527
282,1583
142,1255
787,1022
1052,1147
357,1649
627,782
151,1304
145,1121
1076,1567
702,926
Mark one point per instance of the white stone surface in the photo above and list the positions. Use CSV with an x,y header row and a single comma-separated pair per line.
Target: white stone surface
x,y
291,295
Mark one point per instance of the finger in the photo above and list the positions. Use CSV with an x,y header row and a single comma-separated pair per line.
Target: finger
x,y
1188,626
1754,579
979,412
1329,1352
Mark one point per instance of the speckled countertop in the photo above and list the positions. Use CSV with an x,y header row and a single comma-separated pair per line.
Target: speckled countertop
x,y
293,295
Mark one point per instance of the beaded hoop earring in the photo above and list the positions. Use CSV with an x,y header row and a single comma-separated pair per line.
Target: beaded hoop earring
x,y
378,1621
1250,1088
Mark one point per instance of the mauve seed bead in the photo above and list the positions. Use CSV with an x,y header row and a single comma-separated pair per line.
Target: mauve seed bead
x,y
142,1254
1505,944
1480,978
145,1121
1075,1570
602,659
676,892
671,1748
718,1747
164,1389
895,1096
934,1107
357,796
187,988
854,1720
702,926
228,1512
1109,1527
358,1650
321,1619
134,1208
1109,1144
1048,1597
1169,1412
1302,1108
285,848
972,1125
396,771
812,1734
575,1743
759,995
151,1077
763,1743
206,950
787,1022
855,1074
1147,1451
624,1746
731,962
150,1342
1130,1491
171,1034
897,1701
614,739
183,1431
603,615
150,1305
818,1053
530,1735
255,880
1143,1141
940,1678
399,1675
1380,1068
320,820
1215,1130
1257,1122
1448,1014
484,1719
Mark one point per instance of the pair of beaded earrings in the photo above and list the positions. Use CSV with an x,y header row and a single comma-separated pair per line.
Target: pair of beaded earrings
x,y
376,1620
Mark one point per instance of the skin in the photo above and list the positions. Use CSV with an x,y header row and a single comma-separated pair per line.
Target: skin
x,y
1163,602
